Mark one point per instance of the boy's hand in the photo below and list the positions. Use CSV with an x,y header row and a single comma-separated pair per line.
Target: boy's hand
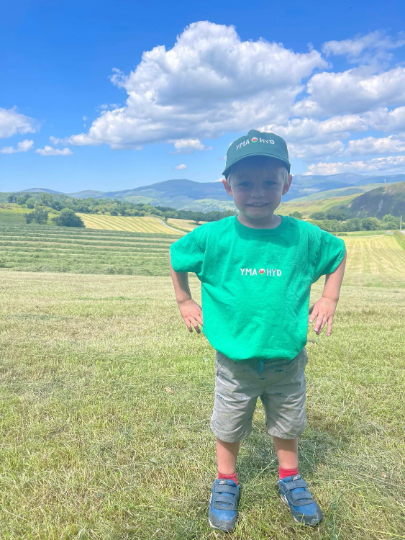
x,y
192,314
324,309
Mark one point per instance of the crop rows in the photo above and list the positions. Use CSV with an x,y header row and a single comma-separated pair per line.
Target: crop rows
x,y
59,249
118,223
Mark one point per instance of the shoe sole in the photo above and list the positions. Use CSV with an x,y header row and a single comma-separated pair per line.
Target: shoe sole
x,y
300,521
218,529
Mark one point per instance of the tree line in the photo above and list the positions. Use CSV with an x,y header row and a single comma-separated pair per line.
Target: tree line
x,y
339,220
113,207
41,204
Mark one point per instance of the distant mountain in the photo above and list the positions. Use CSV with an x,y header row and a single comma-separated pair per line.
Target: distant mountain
x,y
308,184
86,194
206,196
209,196
178,194
41,190
341,192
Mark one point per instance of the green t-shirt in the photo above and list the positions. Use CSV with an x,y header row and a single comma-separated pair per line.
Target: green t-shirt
x,y
255,283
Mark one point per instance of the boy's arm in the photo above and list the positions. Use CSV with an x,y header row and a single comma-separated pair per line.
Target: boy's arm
x,y
325,307
190,310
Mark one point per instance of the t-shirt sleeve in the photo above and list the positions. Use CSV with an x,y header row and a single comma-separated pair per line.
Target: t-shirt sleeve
x,y
186,254
331,251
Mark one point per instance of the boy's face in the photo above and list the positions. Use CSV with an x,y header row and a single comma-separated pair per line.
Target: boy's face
x,y
255,184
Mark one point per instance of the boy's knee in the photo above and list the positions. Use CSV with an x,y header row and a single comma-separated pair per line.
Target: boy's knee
x,y
229,435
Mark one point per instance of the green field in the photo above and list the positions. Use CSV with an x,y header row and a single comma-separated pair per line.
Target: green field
x,y
37,248
106,399
12,214
184,224
118,223
308,207
340,192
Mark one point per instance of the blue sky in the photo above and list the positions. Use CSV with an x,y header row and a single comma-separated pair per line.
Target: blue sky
x,y
114,95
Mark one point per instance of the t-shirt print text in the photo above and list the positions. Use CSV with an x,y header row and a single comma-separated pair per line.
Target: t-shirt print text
x,y
273,272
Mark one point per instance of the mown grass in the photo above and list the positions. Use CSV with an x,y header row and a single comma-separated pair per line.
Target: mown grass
x,y
146,224
11,213
368,233
106,399
400,238
184,224
83,251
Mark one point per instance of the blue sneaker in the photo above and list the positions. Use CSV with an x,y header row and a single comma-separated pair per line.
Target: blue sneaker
x,y
294,493
223,511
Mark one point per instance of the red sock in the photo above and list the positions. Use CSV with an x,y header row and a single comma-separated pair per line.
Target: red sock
x,y
228,477
287,472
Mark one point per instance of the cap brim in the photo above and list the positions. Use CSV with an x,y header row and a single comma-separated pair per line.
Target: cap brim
x,y
282,161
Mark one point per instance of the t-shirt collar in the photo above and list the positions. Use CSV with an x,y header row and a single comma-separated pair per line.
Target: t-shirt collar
x,y
261,232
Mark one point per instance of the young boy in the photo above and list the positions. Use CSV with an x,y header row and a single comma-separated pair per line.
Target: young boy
x,y
256,271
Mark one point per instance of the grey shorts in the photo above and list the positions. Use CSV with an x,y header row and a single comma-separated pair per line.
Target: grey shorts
x,y
280,386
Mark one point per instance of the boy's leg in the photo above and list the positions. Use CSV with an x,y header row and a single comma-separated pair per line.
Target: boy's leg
x,y
234,405
225,491
227,454
287,452
284,403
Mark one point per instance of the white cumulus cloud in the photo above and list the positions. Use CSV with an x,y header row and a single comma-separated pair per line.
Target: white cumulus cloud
x,y
308,152
49,151
390,164
374,145
188,146
309,130
367,48
310,139
353,91
209,83
22,146
181,167
13,122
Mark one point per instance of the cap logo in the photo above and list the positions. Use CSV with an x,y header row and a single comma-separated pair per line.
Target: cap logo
x,y
267,141
243,143
254,140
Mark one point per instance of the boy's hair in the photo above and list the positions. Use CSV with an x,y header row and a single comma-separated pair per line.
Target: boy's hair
x,y
258,162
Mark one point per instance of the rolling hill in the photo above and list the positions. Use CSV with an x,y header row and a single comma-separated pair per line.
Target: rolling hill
x,y
209,196
388,199
361,195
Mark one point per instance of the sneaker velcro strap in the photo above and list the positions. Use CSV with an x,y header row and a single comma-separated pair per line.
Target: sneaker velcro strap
x,y
223,499
295,484
300,497
224,488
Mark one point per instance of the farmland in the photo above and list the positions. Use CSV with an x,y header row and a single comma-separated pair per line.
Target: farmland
x,y
119,223
84,251
183,224
308,207
106,399
12,214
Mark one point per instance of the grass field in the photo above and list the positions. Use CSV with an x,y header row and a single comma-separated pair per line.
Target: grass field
x,y
306,208
369,233
119,223
12,214
83,251
106,399
184,223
